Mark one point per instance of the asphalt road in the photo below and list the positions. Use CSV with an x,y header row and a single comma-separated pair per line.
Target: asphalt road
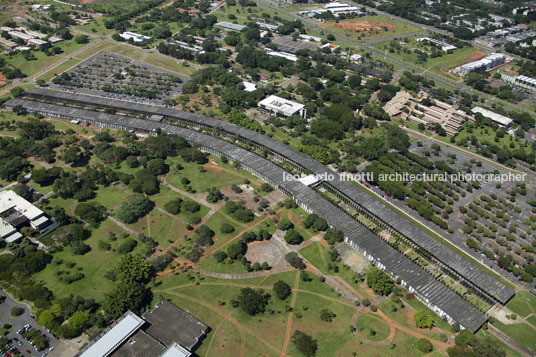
x,y
18,323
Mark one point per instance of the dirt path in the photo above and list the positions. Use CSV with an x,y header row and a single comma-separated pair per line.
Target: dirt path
x,y
243,330
199,198
289,321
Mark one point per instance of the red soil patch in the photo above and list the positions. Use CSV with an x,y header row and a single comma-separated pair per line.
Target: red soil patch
x,y
2,79
476,56
365,26
84,2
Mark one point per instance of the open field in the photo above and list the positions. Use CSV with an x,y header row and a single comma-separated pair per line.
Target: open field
x,y
93,265
42,60
370,27
523,304
374,322
521,332
169,64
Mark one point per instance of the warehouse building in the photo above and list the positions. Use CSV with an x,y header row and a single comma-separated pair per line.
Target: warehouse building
x,y
520,81
229,26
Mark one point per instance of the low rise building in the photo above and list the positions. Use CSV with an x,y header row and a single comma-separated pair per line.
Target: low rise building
x,y
16,212
493,60
282,107
136,37
403,105
229,26
503,121
444,45
520,81
288,56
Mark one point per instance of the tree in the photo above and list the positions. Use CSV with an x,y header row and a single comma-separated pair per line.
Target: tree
x,y
23,191
285,224
327,315
236,249
173,207
137,206
379,281
304,343
465,338
282,289
293,237
16,311
81,39
424,345
295,261
334,236
423,320
203,236
220,256
226,228
252,301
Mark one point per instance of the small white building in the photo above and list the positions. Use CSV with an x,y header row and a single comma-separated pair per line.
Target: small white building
x,y
282,107
136,37
356,58
249,87
288,56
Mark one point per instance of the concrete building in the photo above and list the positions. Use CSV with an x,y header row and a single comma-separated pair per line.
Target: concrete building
x,y
520,81
282,107
483,64
136,37
310,38
403,105
165,331
356,58
498,118
229,26
16,212
332,47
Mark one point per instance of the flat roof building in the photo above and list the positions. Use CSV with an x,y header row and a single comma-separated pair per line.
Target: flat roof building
x,y
444,45
15,212
288,56
282,107
136,37
166,331
483,64
230,26
498,118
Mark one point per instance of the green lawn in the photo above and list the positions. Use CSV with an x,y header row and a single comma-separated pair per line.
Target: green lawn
x,y
521,332
225,267
213,176
314,253
42,60
109,196
96,27
93,264
374,322
160,227
523,303
169,64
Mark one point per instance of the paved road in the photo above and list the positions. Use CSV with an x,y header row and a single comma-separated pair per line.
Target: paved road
x,y
18,323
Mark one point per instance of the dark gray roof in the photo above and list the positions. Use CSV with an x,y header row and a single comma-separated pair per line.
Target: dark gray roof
x,y
168,324
139,345
460,265
426,286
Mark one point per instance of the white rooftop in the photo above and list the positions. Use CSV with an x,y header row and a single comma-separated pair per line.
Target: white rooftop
x,y
6,229
288,56
9,200
120,331
309,180
249,87
281,105
501,119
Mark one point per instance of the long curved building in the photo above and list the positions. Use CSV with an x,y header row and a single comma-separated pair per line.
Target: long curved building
x,y
437,296
472,276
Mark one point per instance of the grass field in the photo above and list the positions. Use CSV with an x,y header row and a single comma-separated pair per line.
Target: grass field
x,y
317,254
521,332
214,176
169,64
160,227
523,303
96,27
440,65
370,27
374,322
93,264
42,60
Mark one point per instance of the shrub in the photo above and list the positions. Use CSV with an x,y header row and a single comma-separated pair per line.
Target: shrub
x,y
16,311
424,345
423,319
282,289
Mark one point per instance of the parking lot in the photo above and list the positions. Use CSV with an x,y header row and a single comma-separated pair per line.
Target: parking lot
x,y
18,323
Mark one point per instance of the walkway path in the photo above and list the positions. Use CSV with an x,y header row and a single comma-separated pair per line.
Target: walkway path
x,y
291,313
124,226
